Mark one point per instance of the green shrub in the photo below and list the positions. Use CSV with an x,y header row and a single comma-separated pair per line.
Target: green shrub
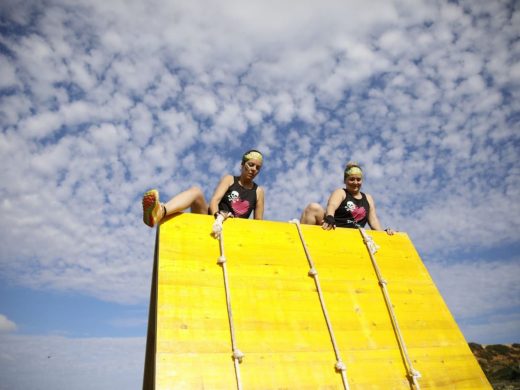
x,y
498,349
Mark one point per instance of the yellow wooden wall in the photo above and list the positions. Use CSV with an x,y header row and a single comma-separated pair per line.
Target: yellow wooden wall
x,y
278,320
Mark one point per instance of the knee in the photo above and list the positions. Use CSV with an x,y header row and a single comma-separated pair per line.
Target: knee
x,y
196,192
312,214
198,202
313,209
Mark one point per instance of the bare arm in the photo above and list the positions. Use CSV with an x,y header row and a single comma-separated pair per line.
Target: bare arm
x,y
259,209
335,200
219,193
373,220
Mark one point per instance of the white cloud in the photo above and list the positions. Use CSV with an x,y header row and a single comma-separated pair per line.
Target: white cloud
x,y
8,76
6,325
16,11
515,73
488,332
108,138
41,125
53,362
113,98
141,125
476,288
395,42
483,296
12,108
203,102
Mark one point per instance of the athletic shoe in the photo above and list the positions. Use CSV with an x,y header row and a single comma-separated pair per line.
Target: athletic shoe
x,y
151,207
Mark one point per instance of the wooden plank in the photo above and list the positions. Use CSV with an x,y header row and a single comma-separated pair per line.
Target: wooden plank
x,y
278,321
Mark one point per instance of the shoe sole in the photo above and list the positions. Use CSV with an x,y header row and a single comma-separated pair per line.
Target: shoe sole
x,y
150,202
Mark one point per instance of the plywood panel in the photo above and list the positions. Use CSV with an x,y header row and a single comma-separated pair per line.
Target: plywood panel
x,y
277,318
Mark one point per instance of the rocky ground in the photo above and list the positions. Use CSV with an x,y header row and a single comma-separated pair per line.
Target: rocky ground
x,y
500,363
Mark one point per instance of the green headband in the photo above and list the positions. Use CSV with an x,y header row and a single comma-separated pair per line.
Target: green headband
x,y
353,171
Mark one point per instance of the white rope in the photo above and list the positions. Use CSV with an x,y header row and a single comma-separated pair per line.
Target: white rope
x,y
339,366
237,354
217,226
413,374
370,243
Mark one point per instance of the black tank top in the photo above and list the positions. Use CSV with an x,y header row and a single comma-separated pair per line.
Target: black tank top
x,y
352,211
239,200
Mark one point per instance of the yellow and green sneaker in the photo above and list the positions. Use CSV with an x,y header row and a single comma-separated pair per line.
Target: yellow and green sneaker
x,y
151,207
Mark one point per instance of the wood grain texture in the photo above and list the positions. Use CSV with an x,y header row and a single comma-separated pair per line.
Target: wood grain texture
x,y
279,323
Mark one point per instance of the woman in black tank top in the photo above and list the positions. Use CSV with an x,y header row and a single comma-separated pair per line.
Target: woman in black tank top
x,y
237,196
347,207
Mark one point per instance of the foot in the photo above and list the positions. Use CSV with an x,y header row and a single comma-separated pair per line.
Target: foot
x,y
151,208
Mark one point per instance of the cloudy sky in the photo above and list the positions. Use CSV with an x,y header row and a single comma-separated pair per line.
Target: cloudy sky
x,y
102,100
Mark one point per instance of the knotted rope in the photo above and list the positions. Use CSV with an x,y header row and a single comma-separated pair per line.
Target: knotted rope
x,y
339,366
413,375
237,354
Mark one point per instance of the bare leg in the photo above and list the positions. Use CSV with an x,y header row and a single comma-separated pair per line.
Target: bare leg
x,y
192,198
313,214
154,211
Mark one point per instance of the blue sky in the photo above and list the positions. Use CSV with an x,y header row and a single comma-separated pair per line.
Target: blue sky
x,y
102,100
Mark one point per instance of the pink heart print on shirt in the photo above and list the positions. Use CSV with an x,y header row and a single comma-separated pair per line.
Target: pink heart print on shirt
x,y
358,213
240,206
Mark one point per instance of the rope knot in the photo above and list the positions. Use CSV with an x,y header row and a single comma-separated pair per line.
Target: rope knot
x,y
415,374
372,246
369,242
221,260
295,221
216,230
238,355
312,272
383,282
340,366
